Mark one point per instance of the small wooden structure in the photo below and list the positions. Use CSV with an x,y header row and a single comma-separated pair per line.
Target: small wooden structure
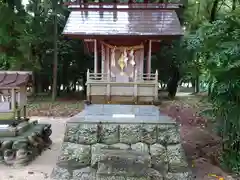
x,y
13,93
123,38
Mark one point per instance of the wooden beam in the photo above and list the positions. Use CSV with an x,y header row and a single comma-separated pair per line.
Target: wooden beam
x,y
149,58
103,48
95,57
13,99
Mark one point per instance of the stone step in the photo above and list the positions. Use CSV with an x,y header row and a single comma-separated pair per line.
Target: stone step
x,y
118,162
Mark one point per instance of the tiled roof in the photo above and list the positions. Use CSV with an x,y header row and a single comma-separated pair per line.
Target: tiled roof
x,y
93,23
123,5
14,79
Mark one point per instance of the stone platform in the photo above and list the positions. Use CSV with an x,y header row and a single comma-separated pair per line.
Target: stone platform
x,y
21,141
121,142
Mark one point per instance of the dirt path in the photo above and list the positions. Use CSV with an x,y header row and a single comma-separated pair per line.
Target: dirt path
x,y
202,147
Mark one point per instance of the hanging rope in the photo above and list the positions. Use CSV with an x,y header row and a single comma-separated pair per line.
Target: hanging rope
x,y
128,48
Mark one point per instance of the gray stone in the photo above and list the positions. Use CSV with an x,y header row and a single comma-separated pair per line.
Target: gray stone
x,y
125,171
153,174
140,147
109,133
87,173
81,133
138,178
19,144
176,159
99,177
159,157
123,163
22,127
149,134
168,134
119,146
28,142
96,113
71,134
179,176
87,133
121,178
74,155
96,153
130,133
23,157
123,142
59,173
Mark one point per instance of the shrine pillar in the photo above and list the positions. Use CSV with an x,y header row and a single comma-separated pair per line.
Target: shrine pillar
x,y
103,58
149,58
13,99
107,62
141,63
95,57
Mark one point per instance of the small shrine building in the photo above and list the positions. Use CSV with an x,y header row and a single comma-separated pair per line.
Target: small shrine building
x,y
123,37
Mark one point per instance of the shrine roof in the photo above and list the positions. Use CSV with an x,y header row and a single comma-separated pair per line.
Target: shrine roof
x,y
12,79
119,6
131,23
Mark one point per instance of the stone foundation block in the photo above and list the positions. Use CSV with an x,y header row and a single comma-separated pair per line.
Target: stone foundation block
x,y
74,155
159,158
140,147
87,133
87,173
59,173
121,178
130,134
179,176
99,177
109,133
176,159
149,134
119,146
96,153
153,174
71,133
123,163
81,133
168,134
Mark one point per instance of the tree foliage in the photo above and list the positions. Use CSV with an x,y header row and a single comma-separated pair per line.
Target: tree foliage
x,y
26,43
216,43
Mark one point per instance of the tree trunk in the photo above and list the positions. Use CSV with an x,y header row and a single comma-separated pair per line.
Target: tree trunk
x,y
214,11
197,84
173,83
234,4
55,62
210,88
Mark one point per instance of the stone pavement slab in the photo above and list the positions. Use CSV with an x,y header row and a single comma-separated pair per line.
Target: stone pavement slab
x,y
124,114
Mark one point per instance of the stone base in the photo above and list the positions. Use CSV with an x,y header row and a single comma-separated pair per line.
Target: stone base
x,y
98,99
22,142
100,146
